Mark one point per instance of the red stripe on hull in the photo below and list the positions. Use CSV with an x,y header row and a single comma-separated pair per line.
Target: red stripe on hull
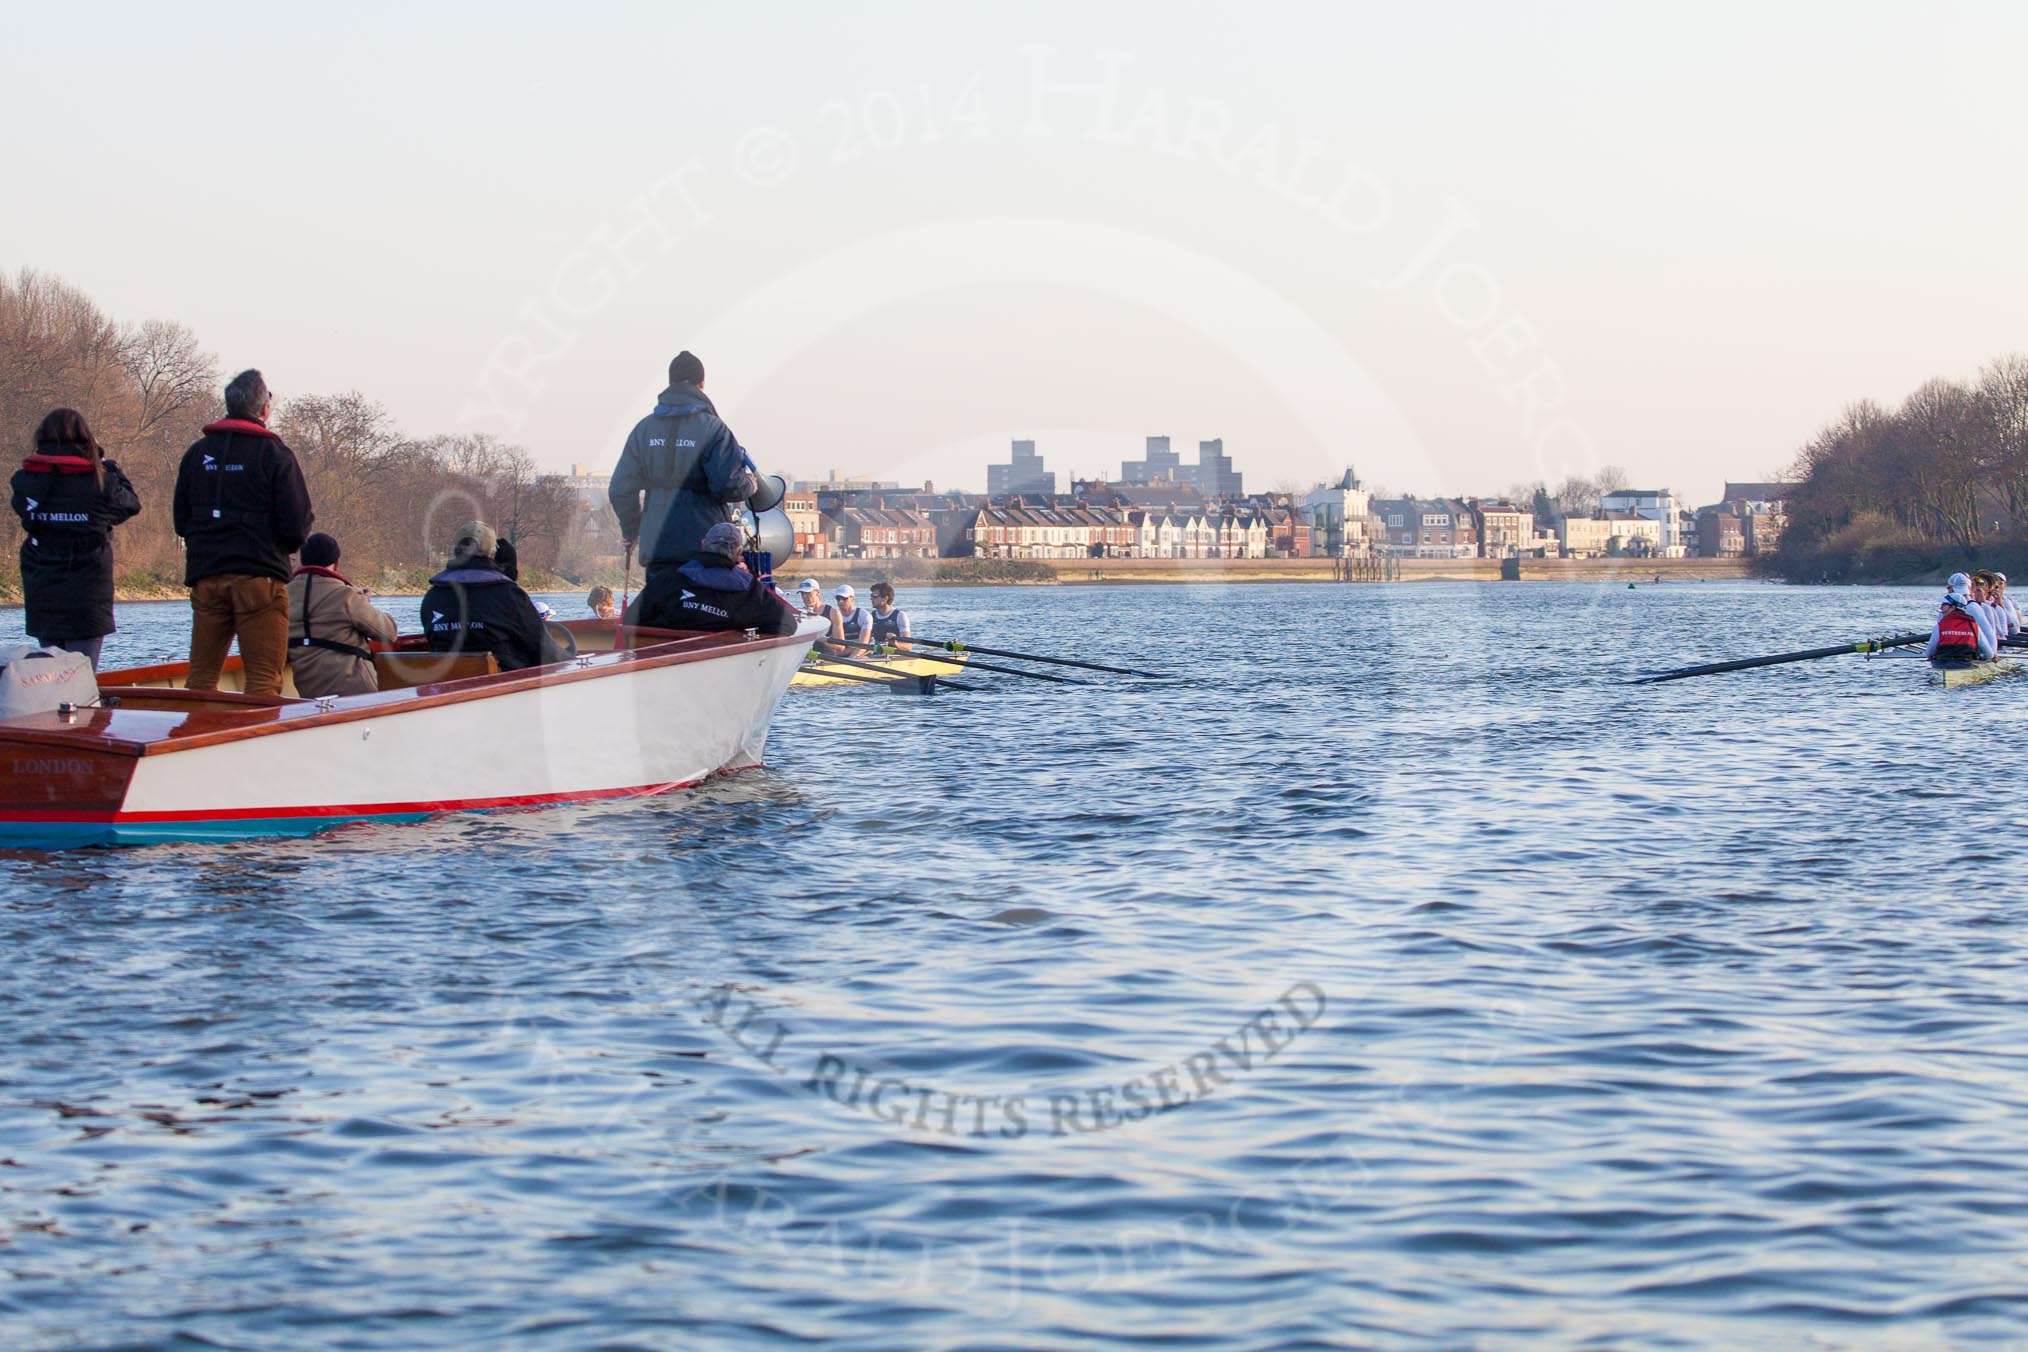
x,y
529,800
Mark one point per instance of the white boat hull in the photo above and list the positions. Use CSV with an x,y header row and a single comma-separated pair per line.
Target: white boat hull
x,y
612,726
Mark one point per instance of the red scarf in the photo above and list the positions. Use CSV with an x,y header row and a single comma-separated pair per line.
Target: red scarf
x,y
48,462
252,429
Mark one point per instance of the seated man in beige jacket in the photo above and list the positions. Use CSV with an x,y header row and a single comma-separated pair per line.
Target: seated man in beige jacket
x,y
330,623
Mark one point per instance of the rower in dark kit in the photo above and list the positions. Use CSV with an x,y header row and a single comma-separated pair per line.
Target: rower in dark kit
x,y
69,497
853,621
682,472
713,591
331,624
890,626
474,607
242,508
812,597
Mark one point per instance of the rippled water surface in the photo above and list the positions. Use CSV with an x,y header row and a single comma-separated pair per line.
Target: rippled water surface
x,y
1396,977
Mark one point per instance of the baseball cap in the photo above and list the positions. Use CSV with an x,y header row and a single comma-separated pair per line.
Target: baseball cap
x,y
724,539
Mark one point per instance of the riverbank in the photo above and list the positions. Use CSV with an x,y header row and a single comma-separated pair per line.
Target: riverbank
x,y
1100,572
862,573
1899,564
383,582
1411,570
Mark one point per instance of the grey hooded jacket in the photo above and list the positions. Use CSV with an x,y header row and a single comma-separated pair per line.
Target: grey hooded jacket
x,y
690,470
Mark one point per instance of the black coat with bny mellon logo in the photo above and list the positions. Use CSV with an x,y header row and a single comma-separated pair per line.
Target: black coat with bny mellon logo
x,y
711,593
68,513
473,607
241,505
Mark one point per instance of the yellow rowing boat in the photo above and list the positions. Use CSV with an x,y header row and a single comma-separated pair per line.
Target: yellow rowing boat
x,y
1952,674
817,672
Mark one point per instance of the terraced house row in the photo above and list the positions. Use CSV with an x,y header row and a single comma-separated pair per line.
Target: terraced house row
x,y
1101,520
1023,532
945,526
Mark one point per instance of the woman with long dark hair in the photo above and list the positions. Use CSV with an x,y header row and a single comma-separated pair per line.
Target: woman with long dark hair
x,y
69,497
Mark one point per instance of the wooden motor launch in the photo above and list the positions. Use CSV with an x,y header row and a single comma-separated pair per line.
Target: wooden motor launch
x,y
634,712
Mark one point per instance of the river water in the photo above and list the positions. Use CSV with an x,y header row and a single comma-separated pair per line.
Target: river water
x,y
1396,976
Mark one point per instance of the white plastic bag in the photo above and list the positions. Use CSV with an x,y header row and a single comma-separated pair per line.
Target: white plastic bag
x,y
37,680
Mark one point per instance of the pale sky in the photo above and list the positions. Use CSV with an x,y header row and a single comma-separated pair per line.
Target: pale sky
x,y
1457,246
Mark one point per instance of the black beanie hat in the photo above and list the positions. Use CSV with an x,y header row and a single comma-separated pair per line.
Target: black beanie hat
x,y
509,561
320,551
686,369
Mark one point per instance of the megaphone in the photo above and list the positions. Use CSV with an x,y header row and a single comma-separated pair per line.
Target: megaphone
x,y
770,536
775,532
773,488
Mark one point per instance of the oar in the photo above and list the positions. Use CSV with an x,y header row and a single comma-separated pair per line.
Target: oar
x,y
956,661
954,646
880,673
1869,645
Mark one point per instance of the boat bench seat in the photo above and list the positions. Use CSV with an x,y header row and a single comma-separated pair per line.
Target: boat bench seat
x,y
400,670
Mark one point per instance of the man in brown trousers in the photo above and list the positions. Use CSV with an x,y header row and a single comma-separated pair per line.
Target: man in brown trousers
x,y
242,508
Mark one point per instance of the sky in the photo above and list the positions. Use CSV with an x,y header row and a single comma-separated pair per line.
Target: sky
x,y
1456,246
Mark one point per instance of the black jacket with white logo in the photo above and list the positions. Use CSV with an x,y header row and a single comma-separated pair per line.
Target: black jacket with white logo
x,y
68,514
473,607
711,593
241,505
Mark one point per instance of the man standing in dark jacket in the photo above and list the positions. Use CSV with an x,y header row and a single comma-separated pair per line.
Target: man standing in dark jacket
x,y
687,465
473,607
242,510
712,591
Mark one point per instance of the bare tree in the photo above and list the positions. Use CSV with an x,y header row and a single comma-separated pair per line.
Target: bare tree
x,y
1578,495
170,370
347,432
1940,458
2003,413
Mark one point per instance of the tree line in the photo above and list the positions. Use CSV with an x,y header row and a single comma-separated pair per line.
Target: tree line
x,y
1939,481
1578,495
391,499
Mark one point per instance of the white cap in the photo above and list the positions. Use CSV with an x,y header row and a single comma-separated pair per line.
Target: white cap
x,y
808,584
845,590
